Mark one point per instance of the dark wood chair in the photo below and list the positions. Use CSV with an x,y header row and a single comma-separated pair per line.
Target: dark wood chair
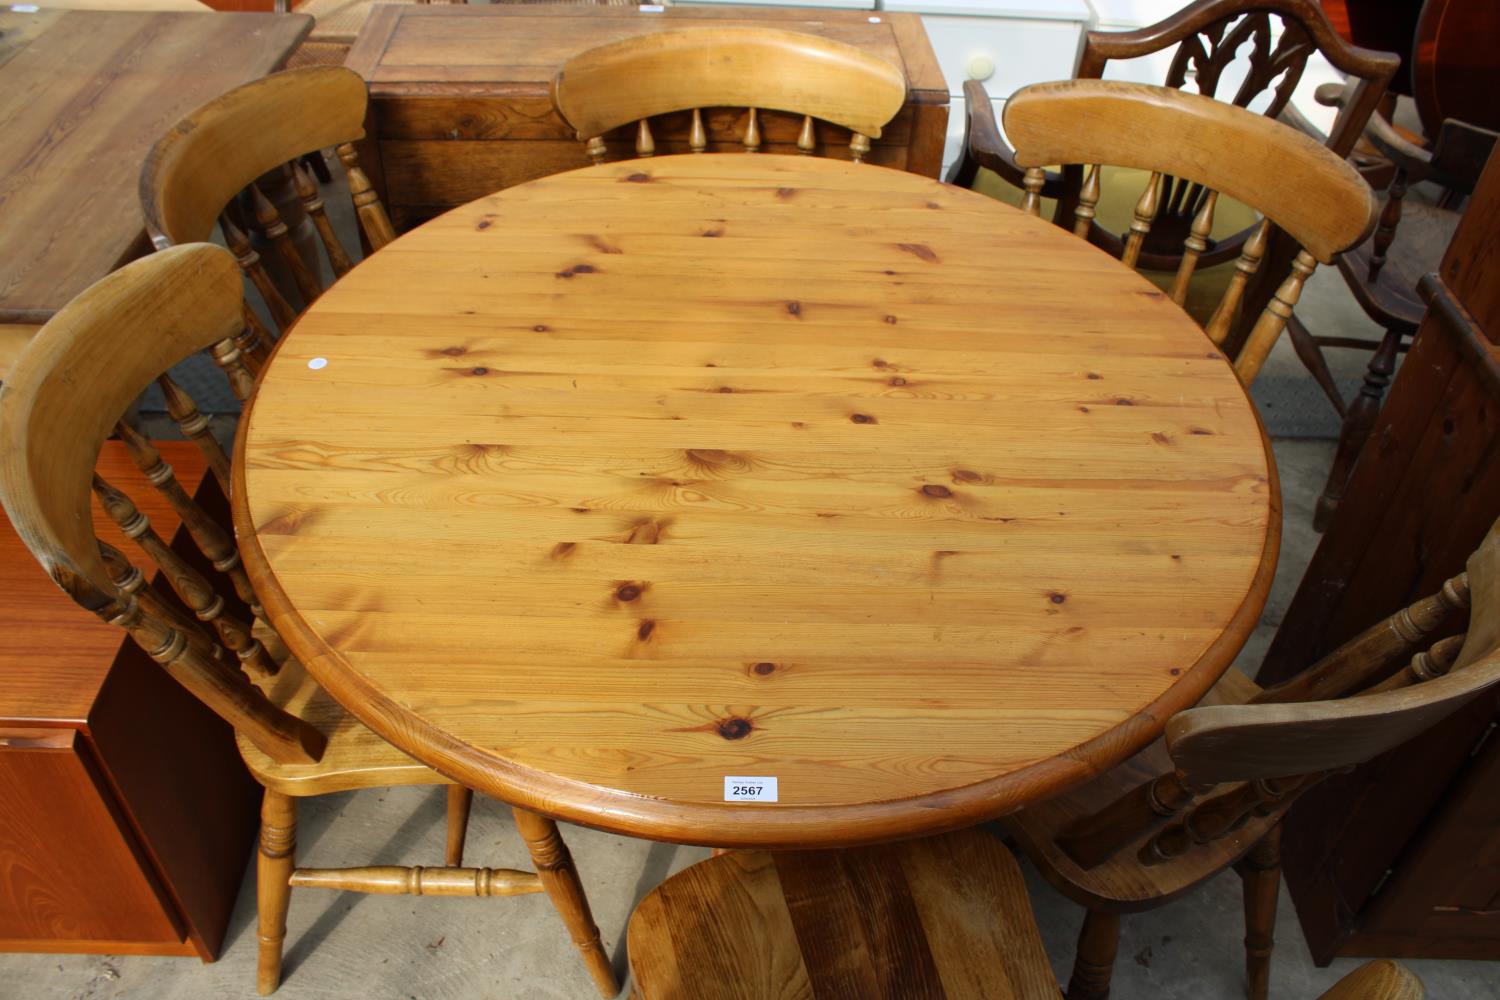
x,y
1209,35
1212,794
63,398
1299,185
945,918
1453,65
720,69
201,165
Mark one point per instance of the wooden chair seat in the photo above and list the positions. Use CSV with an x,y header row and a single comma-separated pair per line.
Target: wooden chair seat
x,y
1425,232
355,757
1120,882
946,917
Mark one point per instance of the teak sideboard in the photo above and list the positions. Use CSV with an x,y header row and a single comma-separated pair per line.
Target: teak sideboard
x,y
461,105
126,814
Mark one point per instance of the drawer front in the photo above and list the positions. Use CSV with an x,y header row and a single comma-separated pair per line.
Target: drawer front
x,y
436,153
1003,53
440,175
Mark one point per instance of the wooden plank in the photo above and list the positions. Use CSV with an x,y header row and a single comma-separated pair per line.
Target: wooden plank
x,y
83,101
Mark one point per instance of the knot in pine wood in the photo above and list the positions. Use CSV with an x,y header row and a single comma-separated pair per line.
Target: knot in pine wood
x,y
735,728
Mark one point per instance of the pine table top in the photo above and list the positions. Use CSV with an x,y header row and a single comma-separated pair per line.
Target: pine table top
x,y
623,482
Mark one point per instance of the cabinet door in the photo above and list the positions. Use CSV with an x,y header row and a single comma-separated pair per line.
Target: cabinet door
x,y
70,877
1443,900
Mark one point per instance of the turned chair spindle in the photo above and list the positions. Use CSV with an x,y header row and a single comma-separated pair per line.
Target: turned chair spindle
x,y
1088,199
1233,766
197,169
757,69
1140,225
1194,246
1272,42
112,342
1297,184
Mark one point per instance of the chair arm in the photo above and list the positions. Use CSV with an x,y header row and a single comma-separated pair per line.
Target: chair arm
x,y
983,142
1381,134
1297,120
1394,146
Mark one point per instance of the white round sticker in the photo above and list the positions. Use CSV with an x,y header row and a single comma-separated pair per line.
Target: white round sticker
x,y
317,363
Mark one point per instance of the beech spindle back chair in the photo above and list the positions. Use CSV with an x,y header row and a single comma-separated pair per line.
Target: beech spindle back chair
x,y
698,69
941,918
62,399
203,162
1213,793
1209,37
1297,184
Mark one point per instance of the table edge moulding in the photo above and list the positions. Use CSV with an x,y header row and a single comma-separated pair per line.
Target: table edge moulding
x,y
738,824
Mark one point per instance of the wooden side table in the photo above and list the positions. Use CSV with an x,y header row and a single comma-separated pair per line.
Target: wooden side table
x,y
461,106
128,816
83,95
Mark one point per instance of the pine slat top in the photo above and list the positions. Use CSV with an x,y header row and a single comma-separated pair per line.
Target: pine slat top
x,y
629,479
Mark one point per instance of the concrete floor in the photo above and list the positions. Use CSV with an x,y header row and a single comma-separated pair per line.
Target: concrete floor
x,y
345,945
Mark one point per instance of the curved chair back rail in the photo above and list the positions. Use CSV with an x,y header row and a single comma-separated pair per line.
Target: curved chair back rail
x,y
758,68
1247,742
203,161
60,402
1248,758
1307,190
69,387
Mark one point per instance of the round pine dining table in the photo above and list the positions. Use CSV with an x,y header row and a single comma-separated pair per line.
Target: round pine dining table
x,y
751,500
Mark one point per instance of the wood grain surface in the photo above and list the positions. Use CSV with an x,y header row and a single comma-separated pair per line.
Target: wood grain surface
x,y
54,655
623,481
940,918
66,873
83,95
446,79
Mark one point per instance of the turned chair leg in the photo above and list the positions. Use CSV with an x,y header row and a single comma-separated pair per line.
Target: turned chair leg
x,y
1261,872
1095,964
1310,353
1358,423
560,878
459,801
273,872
